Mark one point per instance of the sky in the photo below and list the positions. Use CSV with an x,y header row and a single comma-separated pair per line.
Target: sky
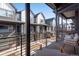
x,y
37,8
41,7
19,6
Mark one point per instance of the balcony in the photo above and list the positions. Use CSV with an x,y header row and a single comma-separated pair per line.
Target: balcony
x,y
6,15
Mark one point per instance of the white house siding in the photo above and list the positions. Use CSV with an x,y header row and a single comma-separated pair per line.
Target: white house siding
x,y
23,16
40,19
10,16
7,6
51,28
7,11
6,30
31,17
23,27
23,19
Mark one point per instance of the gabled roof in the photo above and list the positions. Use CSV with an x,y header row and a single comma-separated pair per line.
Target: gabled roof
x,y
35,16
38,14
32,12
50,19
47,21
13,6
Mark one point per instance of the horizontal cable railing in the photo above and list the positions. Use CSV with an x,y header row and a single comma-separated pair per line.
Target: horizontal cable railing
x,y
40,41
16,45
12,46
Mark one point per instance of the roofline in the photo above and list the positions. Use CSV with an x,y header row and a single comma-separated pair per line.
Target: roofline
x,y
32,12
49,18
20,22
38,14
13,6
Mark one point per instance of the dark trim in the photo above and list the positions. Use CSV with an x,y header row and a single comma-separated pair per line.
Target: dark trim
x,y
65,8
64,5
63,15
49,19
49,5
53,7
38,14
32,12
19,12
13,6
27,9
71,17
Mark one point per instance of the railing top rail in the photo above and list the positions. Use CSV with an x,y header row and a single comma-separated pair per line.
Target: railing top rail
x,y
6,10
13,36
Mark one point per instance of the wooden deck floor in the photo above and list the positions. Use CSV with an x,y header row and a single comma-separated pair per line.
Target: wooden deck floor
x,y
54,50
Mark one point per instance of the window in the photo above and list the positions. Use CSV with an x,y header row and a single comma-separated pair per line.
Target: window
x,y
4,28
18,17
41,21
6,13
9,13
2,13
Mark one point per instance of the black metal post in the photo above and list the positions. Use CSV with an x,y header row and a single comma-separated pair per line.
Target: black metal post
x,y
66,24
21,45
46,35
56,25
58,21
34,33
62,27
27,9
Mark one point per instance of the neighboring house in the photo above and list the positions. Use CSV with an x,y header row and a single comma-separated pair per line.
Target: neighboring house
x,y
39,25
37,22
23,19
50,24
69,27
40,21
10,24
9,18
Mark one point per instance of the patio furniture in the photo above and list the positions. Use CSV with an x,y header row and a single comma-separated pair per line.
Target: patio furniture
x,y
71,44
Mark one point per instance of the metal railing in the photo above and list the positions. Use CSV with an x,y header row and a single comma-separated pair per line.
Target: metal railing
x,y
6,13
40,41
13,46
16,45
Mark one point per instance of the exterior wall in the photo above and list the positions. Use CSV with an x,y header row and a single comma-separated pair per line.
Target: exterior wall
x,y
9,28
23,18
40,19
69,27
31,17
50,27
7,12
23,27
6,6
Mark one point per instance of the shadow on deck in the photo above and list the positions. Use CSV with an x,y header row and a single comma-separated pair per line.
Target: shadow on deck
x,y
54,50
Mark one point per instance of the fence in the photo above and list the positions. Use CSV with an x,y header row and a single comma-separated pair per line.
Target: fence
x,y
16,45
